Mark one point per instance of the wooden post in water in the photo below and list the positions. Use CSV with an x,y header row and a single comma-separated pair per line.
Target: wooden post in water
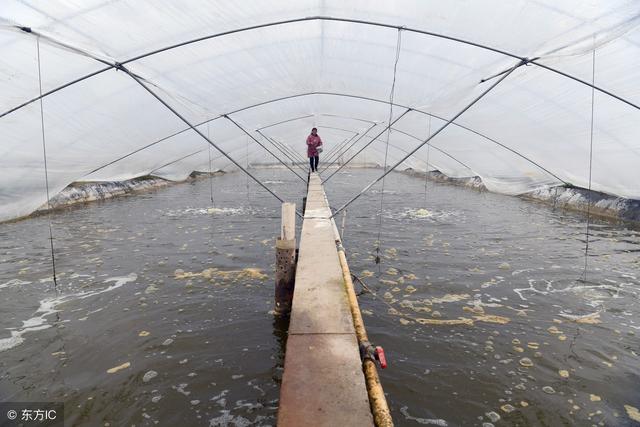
x,y
286,260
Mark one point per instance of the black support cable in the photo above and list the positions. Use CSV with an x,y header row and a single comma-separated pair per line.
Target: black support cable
x,y
195,129
210,172
46,169
386,150
589,196
426,172
263,146
472,103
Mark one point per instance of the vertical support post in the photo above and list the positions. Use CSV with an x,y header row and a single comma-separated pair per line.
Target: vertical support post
x,y
286,260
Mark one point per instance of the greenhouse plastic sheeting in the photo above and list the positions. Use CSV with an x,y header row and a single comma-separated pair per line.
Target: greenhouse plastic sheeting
x,y
287,66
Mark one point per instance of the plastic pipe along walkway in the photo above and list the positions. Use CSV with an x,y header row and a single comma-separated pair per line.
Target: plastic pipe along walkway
x,y
323,382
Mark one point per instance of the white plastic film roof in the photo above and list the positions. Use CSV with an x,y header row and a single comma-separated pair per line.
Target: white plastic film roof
x,y
328,64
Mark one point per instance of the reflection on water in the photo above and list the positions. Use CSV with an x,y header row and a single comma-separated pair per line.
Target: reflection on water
x,y
163,313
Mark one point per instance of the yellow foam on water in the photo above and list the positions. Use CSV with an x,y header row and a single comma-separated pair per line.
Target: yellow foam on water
x,y
118,368
632,412
450,298
451,322
211,273
491,318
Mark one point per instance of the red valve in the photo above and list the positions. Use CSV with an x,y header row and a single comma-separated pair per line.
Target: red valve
x,y
380,357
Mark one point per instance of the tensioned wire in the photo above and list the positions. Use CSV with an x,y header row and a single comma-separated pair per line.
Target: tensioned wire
x,y
426,172
443,127
46,170
210,172
119,66
386,151
589,195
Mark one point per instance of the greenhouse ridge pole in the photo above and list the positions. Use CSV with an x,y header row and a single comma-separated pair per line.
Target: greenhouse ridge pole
x,y
451,120
391,123
260,144
195,129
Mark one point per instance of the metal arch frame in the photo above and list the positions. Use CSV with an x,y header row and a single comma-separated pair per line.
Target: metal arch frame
x,y
239,126
285,121
287,147
431,136
286,154
391,123
292,21
120,65
193,154
453,124
178,160
395,147
145,85
361,97
260,129
334,152
430,145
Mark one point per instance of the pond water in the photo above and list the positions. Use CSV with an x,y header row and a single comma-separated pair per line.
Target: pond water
x,y
162,313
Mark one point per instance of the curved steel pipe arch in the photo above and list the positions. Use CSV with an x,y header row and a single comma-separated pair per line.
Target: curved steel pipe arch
x,y
361,97
292,21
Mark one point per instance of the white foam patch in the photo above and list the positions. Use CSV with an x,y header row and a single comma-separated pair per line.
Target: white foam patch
x,y
49,306
14,282
426,214
592,293
425,421
226,420
204,211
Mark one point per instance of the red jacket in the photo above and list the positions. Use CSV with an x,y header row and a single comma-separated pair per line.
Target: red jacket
x,y
313,142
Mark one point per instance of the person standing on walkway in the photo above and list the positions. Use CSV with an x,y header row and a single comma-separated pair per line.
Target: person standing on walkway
x,y
314,148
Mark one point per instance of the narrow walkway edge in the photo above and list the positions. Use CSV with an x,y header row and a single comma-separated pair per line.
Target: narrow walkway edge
x,y
323,382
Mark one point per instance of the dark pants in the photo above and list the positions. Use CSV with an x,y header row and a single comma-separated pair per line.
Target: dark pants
x,y
313,161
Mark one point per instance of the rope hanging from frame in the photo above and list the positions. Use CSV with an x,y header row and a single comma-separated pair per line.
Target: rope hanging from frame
x,y
386,151
210,172
589,195
426,172
46,170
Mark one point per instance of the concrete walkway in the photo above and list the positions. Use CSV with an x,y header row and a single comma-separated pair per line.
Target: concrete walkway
x,y
323,383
